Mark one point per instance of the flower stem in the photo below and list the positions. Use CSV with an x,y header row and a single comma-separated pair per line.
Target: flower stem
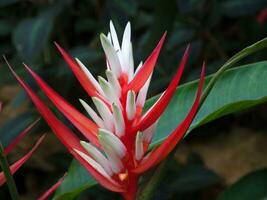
x,y
132,188
9,178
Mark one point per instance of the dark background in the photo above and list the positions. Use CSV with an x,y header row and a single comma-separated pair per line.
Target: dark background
x,y
211,158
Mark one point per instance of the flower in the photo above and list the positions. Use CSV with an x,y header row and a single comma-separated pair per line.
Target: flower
x,y
116,138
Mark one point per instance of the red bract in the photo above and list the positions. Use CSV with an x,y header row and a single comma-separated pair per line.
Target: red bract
x,y
118,136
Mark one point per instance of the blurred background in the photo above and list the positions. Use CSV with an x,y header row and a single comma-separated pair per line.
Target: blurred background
x,y
211,157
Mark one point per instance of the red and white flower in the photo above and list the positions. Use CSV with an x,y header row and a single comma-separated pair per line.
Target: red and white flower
x,y
116,138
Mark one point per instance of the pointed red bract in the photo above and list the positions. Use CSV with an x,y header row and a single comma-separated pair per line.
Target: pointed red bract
x,y
146,70
158,108
14,167
168,145
85,82
66,136
80,75
62,131
88,128
52,189
15,141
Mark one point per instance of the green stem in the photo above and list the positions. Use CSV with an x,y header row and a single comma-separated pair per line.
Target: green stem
x,y
9,178
237,57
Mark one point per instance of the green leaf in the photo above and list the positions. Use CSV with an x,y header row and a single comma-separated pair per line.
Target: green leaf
x,y
235,8
237,89
31,35
13,127
186,6
251,186
76,181
7,2
128,6
6,27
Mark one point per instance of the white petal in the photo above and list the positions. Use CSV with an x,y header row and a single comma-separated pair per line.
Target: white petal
x,y
114,149
92,114
139,149
117,48
141,98
93,163
126,39
108,67
131,64
90,76
111,55
149,132
126,45
130,105
114,82
97,156
108,138
109,37
104,113
109,92
114,37
115,162
119,121
123,62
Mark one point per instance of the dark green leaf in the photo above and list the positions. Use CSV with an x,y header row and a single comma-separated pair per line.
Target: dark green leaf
x,y
14,126
251,186
7,2
128,6
6,26
31,35
194,178
235,8
189,5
